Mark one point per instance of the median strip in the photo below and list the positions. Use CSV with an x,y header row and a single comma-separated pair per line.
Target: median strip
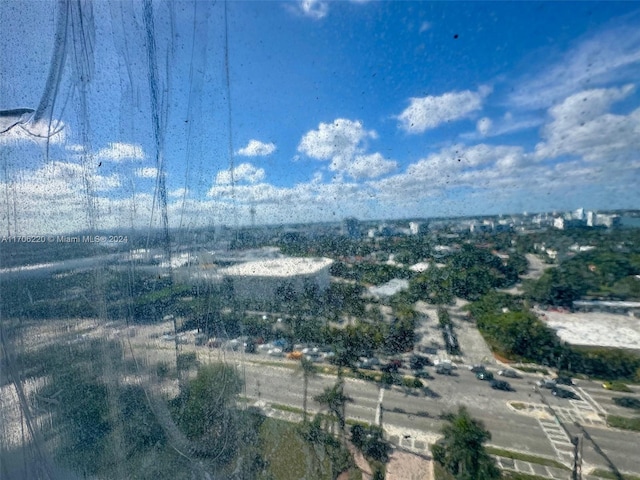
x,y
525,457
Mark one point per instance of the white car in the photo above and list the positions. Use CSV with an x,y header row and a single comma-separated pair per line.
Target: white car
x,y
276,352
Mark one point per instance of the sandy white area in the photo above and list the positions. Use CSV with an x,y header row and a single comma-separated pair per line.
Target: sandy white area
x,y
405,466
603,329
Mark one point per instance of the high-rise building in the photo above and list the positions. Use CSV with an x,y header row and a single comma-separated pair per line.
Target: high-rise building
x,y
351,227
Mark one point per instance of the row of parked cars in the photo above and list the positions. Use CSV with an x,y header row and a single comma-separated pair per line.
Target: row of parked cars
x,y
556,391
483,374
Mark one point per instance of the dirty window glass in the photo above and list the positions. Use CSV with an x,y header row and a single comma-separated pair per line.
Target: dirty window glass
x,y
317,239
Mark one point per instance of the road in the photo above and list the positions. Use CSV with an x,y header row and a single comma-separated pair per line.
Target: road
x,y
518,420
413,418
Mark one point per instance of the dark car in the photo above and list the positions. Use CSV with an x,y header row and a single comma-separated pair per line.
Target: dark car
x,y
392,367
507,372
501,385
417,362
484,376
444,369
562,393
429,350
424,374
476,368
564,380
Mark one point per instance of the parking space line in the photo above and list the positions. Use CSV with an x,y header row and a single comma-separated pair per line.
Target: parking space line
x,y
590,400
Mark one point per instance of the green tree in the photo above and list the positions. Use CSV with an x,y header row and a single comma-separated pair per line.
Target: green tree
x,y
205,412
370,441
308,370
335,400
461,451
433,286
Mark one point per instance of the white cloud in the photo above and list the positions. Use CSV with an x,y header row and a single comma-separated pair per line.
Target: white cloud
x,y
611,55
480,166
424,113
344,143
120,152
315,9
581,126
486,127
147,172
342,138
178,192
483,126
75,148
53,197
370,166
424,26
256,148
245,172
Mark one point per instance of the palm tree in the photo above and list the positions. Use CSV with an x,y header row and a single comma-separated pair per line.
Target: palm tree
x,y
461,451
308,370
335,400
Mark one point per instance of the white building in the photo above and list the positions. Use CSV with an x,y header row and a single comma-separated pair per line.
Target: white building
x,y
262,279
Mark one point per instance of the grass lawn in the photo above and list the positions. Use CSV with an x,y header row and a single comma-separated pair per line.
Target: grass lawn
x,y
508,475
607,474
282,448
624,423
287,455
548,462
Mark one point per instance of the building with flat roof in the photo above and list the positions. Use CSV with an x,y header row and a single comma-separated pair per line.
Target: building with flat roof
x,y
263,280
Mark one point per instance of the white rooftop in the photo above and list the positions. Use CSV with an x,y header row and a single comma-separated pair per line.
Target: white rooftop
x,y
601,329
390,288
278,267
419,267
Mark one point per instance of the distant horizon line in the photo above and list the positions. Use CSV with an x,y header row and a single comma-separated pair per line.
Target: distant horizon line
x,y
231,227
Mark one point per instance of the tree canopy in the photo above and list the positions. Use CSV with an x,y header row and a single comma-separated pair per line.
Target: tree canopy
x,y
461,450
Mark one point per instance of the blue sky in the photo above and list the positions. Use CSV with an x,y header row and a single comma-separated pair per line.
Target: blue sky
x,y
364,108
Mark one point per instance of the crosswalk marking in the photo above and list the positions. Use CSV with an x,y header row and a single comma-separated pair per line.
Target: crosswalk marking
x,y
589,399
558,438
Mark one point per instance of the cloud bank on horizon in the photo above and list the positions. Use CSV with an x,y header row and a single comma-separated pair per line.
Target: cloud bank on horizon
x,y
334,109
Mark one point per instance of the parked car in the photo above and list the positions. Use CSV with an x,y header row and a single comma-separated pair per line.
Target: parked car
x,y
546,383
477,368
315,357
484,375
507,372
367,362
444,369
416,362
564,380
428,350
501,385
562,393
295,355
